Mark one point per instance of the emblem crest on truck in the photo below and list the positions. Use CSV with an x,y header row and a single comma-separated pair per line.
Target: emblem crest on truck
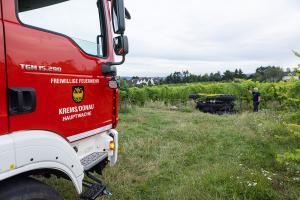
x,y
78,94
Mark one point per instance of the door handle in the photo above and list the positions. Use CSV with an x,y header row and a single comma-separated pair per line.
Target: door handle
x,y
21,100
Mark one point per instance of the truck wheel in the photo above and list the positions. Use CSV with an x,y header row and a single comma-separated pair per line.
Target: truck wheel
x,y
27,189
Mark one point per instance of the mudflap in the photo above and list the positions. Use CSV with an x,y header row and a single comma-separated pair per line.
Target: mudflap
x,y
94,188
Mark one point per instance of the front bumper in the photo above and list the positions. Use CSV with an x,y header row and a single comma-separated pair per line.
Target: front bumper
x,y
93,150
113,157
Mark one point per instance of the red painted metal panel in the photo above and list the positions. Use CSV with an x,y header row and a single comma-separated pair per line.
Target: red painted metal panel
x,y
29,52
0,9
3,101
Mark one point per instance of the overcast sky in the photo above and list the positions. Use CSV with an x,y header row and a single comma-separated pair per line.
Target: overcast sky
x,y
208,36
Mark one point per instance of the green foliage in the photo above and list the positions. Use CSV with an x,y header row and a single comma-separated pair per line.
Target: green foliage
x,y
294,129
289,156
187,77
296,53
270,73
281,95
297,69
293,117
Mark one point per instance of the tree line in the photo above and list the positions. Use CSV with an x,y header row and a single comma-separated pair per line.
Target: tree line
x,y
262,74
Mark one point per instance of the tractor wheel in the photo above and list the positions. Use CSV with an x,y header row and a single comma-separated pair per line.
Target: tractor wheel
x,y
225,109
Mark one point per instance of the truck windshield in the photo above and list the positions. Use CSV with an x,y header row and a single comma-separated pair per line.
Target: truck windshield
x,y
77,19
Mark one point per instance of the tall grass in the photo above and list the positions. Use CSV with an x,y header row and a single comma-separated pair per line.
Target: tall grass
x,y
169,154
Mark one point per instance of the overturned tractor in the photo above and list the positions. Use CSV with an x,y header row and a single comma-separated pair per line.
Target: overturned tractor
x,y
214,103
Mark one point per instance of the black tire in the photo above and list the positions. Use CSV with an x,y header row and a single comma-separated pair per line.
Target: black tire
x,y
27,189
206,107
219,108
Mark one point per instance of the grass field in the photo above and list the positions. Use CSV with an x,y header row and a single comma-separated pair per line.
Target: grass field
x,y
168,154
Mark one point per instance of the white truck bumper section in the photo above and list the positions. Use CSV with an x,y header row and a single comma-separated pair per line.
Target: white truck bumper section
x,y
91,151
114,156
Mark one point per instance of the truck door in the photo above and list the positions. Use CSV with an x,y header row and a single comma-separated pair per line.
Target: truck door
x,y
3,96
54,66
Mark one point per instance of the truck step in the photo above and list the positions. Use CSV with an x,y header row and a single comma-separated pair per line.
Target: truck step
x,y
92,159
94,191
94,188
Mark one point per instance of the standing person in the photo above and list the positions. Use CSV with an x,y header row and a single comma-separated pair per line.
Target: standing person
x,y
256,99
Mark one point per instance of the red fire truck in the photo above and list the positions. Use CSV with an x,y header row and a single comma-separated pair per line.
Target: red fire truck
x,y
58,94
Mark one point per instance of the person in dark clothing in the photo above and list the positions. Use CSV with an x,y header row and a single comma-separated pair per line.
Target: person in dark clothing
x,y
256,99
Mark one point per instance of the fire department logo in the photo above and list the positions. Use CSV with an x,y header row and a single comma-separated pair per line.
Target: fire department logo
x,y
78,94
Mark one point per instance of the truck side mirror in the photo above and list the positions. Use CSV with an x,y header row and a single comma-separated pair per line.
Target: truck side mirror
x,y
121,45
118,16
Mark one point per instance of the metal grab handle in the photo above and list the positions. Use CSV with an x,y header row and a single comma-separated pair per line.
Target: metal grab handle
x,y
21,100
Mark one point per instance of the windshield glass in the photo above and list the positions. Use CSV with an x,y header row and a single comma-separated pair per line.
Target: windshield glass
x,y
78,19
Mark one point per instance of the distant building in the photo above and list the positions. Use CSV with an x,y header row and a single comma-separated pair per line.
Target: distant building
x,y
145,81
288,76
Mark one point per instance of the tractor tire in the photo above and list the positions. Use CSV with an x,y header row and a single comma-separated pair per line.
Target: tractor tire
x,y
225,109
27,189
203,107
207,107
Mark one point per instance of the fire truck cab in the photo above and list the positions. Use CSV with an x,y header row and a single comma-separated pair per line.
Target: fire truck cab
x,y
58,94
